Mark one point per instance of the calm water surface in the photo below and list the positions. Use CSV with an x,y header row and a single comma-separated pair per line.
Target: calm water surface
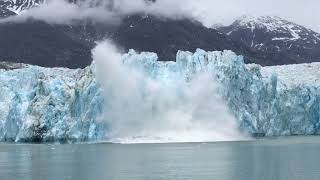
x,y
294,158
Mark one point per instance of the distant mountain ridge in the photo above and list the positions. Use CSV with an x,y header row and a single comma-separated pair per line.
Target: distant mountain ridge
x,y
265,40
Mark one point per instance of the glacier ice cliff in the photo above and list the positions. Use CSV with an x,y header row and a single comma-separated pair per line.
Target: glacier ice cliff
x,y
59,104
42,104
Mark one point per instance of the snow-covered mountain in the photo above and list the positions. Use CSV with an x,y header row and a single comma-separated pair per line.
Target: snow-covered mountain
x,y
12,7
278,41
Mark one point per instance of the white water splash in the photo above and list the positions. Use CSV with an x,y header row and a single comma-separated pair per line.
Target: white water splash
x,y
145,108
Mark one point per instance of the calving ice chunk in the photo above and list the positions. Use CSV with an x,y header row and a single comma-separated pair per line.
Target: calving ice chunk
x,y
152,101
209,95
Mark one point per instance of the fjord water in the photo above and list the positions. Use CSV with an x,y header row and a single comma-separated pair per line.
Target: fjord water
x,y
294,158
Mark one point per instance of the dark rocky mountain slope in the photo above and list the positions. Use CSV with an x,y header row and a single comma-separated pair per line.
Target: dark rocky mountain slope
x,y
39,43
166,37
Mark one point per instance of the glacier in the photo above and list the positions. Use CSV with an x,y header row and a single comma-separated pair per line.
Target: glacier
x,y
49,104
40,104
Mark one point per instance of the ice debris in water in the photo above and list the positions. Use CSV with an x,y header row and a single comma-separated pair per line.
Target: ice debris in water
x,y
59,104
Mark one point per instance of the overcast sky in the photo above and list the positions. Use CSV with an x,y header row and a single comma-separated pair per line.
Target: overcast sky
x,y
207,11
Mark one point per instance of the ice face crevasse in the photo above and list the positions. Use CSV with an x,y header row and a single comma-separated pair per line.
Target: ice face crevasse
x,y
56,104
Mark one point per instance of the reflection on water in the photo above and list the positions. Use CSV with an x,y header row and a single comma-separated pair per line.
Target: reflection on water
x,y
286,158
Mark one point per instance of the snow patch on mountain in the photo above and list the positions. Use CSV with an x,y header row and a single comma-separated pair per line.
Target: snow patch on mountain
x,y
271,24
19,6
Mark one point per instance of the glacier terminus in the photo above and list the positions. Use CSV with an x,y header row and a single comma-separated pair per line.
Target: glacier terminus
x,y
40,104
